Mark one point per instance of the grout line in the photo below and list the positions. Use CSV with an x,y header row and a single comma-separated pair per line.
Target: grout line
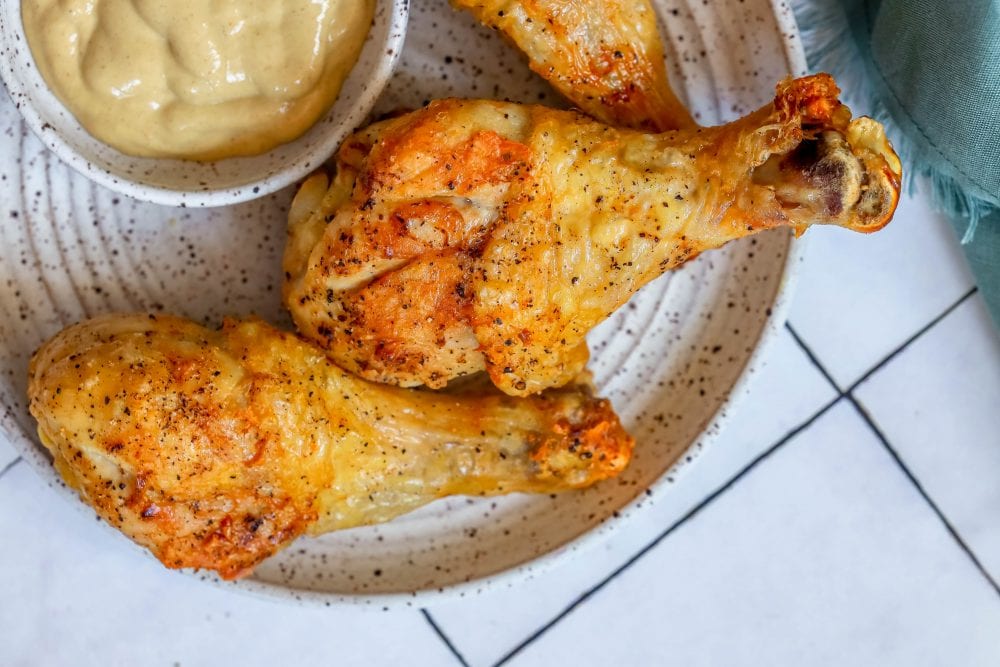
x,y
444,638
10,465
892,355
753,464
889,357
658,539
813,358
849,395
920,489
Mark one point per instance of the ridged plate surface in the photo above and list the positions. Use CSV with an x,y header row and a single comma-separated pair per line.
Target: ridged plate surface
x,y
671,360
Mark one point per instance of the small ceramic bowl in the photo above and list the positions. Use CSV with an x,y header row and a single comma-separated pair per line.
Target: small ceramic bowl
x,y
182,183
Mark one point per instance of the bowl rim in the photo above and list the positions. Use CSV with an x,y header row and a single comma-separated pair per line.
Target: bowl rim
x,y
13,39
574,548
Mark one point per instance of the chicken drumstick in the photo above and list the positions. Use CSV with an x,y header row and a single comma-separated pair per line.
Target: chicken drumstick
x,y
215,449
480,235
605,56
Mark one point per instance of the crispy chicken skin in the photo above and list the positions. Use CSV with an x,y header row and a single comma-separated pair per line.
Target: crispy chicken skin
x,y
215,449
476,235
605,56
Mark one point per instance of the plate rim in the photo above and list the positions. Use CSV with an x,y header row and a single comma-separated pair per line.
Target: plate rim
x,y
539,565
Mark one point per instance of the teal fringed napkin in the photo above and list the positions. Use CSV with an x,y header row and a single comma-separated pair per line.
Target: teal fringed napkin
x,y
930,70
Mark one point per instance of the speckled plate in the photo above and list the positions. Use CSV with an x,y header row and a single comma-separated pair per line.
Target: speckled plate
x,y
672,360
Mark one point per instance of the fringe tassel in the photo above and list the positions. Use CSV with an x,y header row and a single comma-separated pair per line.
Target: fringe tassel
x,y
830,47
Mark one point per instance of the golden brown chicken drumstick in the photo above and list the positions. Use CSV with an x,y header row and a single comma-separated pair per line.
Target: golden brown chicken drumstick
x,y
605,56
215,449
475,235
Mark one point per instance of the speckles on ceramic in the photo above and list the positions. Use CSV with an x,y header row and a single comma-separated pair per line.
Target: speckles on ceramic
x,y
192,184
670,360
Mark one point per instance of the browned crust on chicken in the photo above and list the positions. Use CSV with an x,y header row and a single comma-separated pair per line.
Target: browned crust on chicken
x,y
508,273
605,56
216,449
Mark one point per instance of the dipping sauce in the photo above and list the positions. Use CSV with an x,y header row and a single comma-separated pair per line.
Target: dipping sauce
x,y
196,79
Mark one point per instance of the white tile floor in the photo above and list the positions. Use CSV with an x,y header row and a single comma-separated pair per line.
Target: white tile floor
x,y
820,530
825,555
937,403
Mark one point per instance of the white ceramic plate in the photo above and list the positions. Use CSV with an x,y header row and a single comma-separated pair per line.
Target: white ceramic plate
x,y
180,183
671,360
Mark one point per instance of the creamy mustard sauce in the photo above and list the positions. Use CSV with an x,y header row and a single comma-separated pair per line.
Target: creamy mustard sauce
x,y
196,79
